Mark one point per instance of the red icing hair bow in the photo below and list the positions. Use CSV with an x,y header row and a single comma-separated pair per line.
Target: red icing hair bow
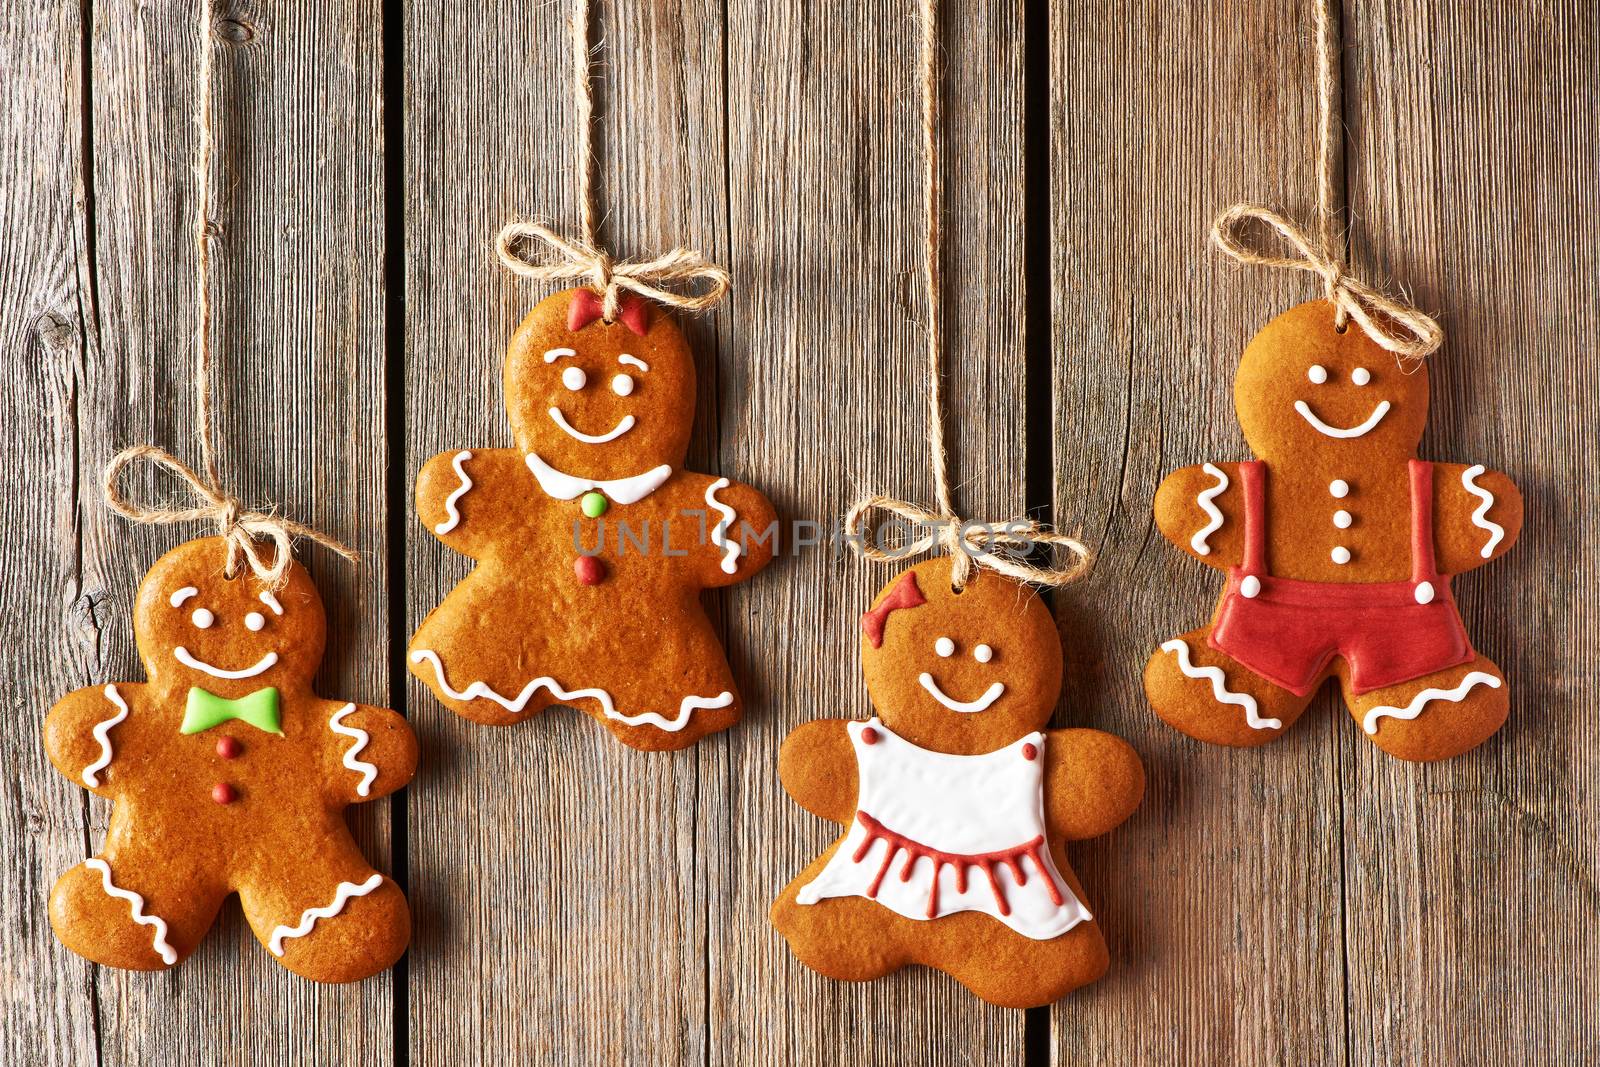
x,y
586,307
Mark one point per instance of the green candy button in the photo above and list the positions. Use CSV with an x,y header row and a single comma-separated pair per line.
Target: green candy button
x,y
594,504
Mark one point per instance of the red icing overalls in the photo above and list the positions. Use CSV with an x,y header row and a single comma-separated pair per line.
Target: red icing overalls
x,y
1388,632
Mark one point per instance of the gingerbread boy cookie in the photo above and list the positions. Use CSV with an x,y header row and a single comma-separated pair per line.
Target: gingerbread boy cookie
x,y
1339,545
592,541
955,801
229,775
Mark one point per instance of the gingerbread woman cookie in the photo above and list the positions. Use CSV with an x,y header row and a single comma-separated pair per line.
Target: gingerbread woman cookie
x,y
592,542
1339,545
229,775
956,802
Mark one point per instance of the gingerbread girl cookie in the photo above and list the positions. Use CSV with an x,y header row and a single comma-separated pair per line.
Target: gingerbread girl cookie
x,y
592,542
229,775
1339,545
955,800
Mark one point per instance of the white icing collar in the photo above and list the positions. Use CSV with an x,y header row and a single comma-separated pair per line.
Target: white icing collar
x,y
622,490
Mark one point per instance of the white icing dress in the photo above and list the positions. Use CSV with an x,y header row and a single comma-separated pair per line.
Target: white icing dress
x,y
968,832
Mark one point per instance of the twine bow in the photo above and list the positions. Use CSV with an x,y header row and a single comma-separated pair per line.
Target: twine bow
x,y
241,529
582,260
997,546
1401,329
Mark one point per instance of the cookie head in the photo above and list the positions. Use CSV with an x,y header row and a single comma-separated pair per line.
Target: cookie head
x,y
1305,388
229,636
595,399
963,673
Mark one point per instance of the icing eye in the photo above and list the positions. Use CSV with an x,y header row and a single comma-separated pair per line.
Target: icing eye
x,y
255,620
1361,376
945,647
574,378
983,653
202,618
622,384
1318,374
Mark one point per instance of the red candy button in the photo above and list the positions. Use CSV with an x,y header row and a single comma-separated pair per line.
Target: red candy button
x,y
223,793
590,570
1029,752
228,748
870,736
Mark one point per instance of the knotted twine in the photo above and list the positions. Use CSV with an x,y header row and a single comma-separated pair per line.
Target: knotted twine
x,y
583,259
1401,329
240,528
997,546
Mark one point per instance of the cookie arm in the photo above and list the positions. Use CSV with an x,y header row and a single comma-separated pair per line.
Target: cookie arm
x,y
80,734
740,532
1093,781
471,498
817,766
370,752
1477,515
1201,510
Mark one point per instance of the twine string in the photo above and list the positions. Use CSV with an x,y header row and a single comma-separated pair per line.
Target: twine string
x,y
1001,547
1396,326
682,278
241,529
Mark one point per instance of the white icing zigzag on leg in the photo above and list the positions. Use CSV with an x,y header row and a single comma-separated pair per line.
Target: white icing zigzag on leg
x,y
1199,541
453,517
1369,723
367,771
515,704
102,734
719,533
309,917
1479,517
169,955
1219,690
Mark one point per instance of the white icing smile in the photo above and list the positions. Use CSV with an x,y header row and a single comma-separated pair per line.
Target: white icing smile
x,y
990,695
1334,431
588,438
182,655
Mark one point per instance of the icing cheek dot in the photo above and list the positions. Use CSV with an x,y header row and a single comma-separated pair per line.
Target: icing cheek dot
x,y
983,653
255,620
945,647
202,618
1318,374
1361,376
574,378
622,384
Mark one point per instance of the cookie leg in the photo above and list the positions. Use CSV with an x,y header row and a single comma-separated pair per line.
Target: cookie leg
x,y
1210,697
1013,971
327,915
131,910
844,938
1436,717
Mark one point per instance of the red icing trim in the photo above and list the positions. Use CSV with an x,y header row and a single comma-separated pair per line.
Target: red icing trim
x,y
986,861
905,594
586,307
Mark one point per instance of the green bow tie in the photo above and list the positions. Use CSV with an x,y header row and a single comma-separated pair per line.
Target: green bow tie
x,y
205,710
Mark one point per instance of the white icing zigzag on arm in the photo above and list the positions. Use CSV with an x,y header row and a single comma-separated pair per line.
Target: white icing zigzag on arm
x,y
102,734
1480,516
309,917
453,517
367,771
1384,711
719,533
169,955
1223,694
1204,499
515,704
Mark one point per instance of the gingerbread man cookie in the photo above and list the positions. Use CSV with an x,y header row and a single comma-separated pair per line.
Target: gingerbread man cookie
x,y
956,802
1339,545
229,775
592,542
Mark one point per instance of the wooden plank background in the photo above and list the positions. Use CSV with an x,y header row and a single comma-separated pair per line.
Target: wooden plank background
x,y
1314,901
